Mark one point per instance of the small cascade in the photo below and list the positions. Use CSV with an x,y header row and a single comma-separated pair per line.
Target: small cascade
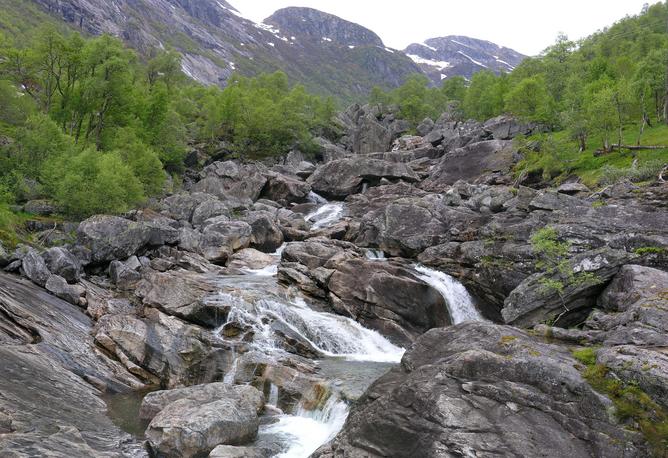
x,y
326,214
459,301
273,395
307,430
272,269
375,255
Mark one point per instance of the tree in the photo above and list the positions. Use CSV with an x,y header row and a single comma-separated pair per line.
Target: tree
x,y
454,89
484,97
531,100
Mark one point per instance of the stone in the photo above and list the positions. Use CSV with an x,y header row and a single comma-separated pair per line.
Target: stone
x,y
241,184
58,286
61,261
266,234
250,258
573,188
231,451
479,389
110,237
285,190
182,294
207,210
426,126
35,268
631,284
340,178
40,207
124,277
209,415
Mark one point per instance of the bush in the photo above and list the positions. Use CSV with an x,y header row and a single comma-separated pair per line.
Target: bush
x,y
94,182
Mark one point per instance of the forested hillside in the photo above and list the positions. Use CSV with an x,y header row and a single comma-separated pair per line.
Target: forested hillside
x,y
606,90
85,121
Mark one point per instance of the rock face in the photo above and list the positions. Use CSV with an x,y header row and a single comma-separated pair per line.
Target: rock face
x,y
192,421
343,177
483,389
52,375
241,183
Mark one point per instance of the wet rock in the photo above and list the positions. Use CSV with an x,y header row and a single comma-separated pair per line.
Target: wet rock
x,y
202,417
35,268
52,376
386,297
234,234
491,390
343,177
61,261
231,451
58,286
110,237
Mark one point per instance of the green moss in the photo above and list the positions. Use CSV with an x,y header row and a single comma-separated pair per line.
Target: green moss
x,y
505,340
586,356
649,250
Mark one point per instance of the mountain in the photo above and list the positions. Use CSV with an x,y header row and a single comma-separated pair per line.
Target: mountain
x,y
458,55
346,60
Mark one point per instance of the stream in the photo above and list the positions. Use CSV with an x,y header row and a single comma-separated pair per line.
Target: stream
x,y
350,356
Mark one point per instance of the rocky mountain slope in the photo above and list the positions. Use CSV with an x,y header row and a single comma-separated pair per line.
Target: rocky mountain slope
x,y
216,41
247,292
456,55
329,55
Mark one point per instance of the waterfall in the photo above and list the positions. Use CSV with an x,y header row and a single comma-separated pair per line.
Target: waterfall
x,y
375,255
260,307
326,214
307,430
459,301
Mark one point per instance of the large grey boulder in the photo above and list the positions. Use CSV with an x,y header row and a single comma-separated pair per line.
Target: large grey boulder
x,y
631,284
61,261
343,177
285,189
266,234
35,268
182,294
533,301
158,349
472,162
240,184
386,297
182,205
507,127
122,275
193,421
478,389
111,237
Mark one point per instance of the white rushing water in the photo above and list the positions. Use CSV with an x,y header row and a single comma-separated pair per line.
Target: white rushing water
x,y
326,214
306,430
459,301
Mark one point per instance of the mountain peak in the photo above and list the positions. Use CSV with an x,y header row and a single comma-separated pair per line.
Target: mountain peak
x,y
450,55
311,23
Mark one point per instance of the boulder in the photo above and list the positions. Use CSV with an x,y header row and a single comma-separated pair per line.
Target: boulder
x,y
111,237
507,127
266,234
194,420
343,177
231,451
532,302
58,286
240,184
40,207
426,126
234,234
479,389
182,205
122,275
158,349
386,297
35,268
572,188
250,258
632,284
62,262
472,162
285,189
207,210
182,294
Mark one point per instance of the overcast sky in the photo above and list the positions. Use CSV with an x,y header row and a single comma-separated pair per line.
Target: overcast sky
x,y
528,26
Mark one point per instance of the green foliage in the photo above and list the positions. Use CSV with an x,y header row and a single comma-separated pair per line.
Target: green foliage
x,y
586,355
485,96
645,250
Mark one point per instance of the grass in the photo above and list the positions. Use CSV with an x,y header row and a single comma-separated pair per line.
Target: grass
x,y
559,157
632,404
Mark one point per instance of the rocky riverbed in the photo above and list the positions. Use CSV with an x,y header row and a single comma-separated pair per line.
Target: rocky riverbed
x,y
388,300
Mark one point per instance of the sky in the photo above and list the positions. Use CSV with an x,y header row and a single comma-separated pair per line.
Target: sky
x,y
528,26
